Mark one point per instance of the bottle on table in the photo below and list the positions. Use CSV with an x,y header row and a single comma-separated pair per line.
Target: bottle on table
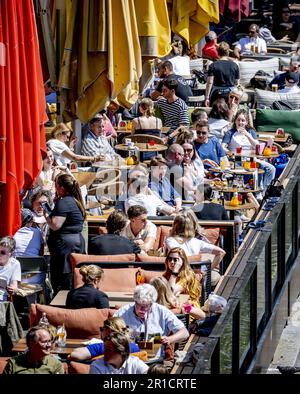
x,y
234,202
44,322
61,335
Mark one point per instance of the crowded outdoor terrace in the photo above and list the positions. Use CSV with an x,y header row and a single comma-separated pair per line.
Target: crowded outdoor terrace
x,y
137,213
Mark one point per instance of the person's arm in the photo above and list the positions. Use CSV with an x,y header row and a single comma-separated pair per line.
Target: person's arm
x,y
80,354
219,254
209,85
178,204
237,51
72,156
179,336
54,222
134,125
12,287
148,244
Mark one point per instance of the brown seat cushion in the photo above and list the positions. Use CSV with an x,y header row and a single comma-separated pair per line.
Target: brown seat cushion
x,y
77,258
80,323
3,361
213,234
114,279
164,233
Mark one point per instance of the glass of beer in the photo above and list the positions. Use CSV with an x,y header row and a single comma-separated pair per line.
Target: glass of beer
x,y
274,87
256,48
252,48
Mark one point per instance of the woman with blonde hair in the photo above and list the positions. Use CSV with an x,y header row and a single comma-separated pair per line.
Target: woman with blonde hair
x,y
88,295
165,295
183,235
112,324
183,280
147,123
63,154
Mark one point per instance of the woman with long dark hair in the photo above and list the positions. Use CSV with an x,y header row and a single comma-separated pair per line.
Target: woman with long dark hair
x,y
65,223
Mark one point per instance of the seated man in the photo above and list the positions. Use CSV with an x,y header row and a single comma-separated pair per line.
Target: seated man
x,y
140,194
210,48
209,148
291,83
140,230
37,359
112,242
95,142
251,43
117,358
280,78
146,318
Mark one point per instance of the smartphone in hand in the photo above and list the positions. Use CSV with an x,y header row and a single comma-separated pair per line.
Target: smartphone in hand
x,y
46,207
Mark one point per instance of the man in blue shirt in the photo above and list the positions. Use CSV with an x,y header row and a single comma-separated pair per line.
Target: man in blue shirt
x,y
280,78
209,148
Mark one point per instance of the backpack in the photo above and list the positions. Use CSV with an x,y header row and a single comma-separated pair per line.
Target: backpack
x,y
260,80
282,105
201,76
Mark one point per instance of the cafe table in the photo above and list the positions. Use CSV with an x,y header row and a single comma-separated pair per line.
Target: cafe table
x,y
143,147
112,164
64,351
239,207
252,154
259,56
264,136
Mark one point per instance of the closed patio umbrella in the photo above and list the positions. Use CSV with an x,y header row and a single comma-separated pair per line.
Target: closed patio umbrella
x,y
22,109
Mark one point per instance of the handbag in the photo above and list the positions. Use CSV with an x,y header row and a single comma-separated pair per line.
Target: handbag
x,y
274,190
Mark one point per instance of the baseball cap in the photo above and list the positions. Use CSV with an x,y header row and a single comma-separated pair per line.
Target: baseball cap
x,y
292,77
26,216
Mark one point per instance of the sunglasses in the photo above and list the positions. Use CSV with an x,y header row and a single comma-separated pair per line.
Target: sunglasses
x,y
66,133
201,132
175,259
252,32
190,150
3,252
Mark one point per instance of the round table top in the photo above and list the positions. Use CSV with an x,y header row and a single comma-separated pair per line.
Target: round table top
x,y
143,147
236,171
117,164
247,153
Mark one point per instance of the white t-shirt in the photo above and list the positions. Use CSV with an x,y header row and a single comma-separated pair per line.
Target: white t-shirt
x,y
181,65
191,247
290,89
8,273
218,127
149,231
245,45
58,147
239,139
150,202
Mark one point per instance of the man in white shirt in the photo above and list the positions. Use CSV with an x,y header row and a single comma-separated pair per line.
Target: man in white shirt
x,y
291,83
252,43
95,142
140,230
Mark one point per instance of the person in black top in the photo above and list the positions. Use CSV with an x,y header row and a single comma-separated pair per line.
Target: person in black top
x,y
223,75
112,242
88,295
65,223
204,208
183,90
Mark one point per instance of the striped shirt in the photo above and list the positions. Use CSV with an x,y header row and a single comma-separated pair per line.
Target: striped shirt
x,y
93,145
174,114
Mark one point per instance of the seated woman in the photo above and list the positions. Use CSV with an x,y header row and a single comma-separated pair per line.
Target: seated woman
x,y
242,135
204,208
45,180
218,118
10,268
183,235
63,154
193,171
147,123
160,183
184,135
183,280
112,324
165,295
88,295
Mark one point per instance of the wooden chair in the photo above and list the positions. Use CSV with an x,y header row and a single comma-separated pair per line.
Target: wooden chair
x,y
84,178
275,50
106,176
107,191
144,138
